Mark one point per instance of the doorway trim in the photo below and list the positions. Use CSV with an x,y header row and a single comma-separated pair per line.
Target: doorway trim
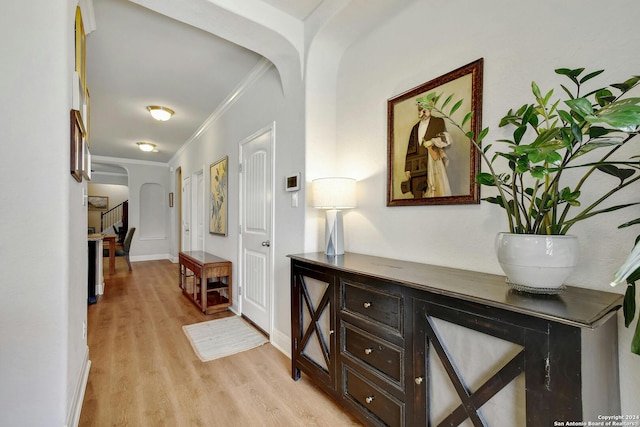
x,y
198,210
178,206
271,128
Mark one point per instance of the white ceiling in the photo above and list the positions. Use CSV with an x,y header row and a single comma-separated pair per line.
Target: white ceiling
x,y
136,57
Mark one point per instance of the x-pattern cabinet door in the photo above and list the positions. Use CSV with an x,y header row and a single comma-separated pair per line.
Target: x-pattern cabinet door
x,y
313,326
492,372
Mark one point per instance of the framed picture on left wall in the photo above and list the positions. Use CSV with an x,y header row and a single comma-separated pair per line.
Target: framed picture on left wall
x,y
77,146
86,160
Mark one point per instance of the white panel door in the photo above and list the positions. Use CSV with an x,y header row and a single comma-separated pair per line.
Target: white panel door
x,y
256,224
186,215
199,213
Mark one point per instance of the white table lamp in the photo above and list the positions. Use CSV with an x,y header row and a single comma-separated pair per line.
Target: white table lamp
x,y
334,194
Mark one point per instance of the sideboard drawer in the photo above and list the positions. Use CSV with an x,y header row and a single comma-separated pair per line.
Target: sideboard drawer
x,y
378,306
372,399
381,355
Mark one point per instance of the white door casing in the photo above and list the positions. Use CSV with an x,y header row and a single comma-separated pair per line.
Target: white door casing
x,y
256,224
199,211
178,204
186,215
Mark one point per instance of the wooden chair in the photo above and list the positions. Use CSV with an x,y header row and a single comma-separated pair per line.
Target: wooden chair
x,y
126,246
120,232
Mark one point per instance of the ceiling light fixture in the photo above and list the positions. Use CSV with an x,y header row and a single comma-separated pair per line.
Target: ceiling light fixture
x,y
146,146
160,113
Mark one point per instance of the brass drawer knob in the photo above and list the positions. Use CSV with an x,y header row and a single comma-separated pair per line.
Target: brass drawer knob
x,y
368,350
366,305
419,380
369,399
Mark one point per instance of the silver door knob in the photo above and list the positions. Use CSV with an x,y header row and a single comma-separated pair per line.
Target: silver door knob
x,y
266,243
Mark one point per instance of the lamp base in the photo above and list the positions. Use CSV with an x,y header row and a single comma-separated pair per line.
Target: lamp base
x,y
333,233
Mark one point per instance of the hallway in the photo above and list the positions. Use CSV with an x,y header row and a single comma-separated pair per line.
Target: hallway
x,y
144,372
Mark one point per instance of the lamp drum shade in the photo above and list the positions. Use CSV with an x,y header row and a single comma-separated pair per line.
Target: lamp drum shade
x,y
334,193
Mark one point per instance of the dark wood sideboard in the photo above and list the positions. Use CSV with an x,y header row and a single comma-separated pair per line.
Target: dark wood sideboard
x,y
406,344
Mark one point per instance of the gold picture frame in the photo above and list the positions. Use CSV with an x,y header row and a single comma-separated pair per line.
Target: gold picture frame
x,y
98,203
434,163
218,196
86,160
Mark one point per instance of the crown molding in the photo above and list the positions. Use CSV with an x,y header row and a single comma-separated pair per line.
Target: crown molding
x,y
253,76
120,161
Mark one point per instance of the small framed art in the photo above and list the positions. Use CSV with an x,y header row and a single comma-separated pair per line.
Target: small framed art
x,y
77,145
98,203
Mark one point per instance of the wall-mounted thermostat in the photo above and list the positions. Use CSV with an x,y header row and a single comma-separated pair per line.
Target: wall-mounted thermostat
x,y
293,182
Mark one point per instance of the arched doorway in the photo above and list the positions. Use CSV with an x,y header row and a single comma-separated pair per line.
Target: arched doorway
x,y
109,186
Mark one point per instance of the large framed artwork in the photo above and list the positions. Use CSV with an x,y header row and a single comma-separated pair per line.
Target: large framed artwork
x,y
219,180
431,162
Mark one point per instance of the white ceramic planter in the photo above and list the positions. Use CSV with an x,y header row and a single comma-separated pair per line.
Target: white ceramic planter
x,y
537,263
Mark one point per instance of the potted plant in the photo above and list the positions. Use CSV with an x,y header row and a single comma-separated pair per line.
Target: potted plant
x,y
557,147
629,272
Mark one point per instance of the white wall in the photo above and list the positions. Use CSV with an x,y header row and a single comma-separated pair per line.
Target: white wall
x,y
519,43
43,249
139,173
261,104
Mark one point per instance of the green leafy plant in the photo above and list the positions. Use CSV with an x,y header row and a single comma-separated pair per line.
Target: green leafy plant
x,y
629,272
550,137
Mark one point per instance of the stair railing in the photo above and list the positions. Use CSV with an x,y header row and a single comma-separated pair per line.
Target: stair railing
x,y
114,215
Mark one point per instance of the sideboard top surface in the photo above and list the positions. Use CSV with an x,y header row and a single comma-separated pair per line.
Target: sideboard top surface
x,y
202,257
580,307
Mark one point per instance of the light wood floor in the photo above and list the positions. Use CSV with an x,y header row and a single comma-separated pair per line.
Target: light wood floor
x,y
145,373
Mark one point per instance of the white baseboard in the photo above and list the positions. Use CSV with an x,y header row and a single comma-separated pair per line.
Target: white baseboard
x,y
73,414
154,257
282,342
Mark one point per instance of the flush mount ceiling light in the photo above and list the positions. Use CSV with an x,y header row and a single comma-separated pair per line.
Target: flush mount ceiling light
x,y
146,146
160,113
